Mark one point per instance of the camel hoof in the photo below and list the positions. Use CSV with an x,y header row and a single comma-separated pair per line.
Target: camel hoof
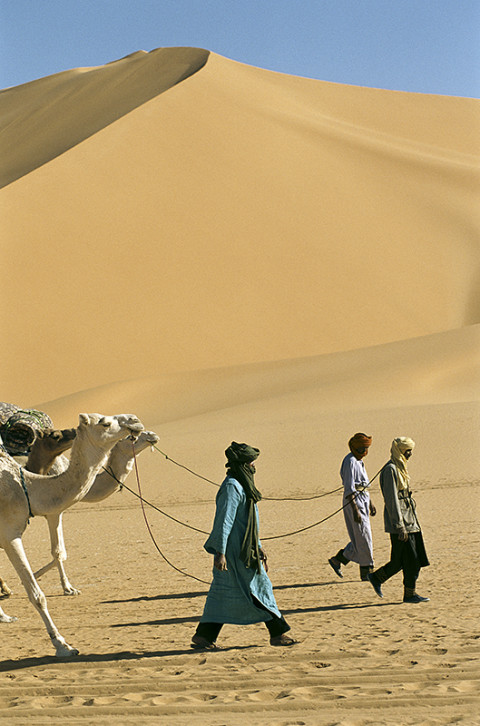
x,y
4,594
72,591
66,651
8,618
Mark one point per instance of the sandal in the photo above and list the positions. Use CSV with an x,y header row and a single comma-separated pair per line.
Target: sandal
x,y
283,640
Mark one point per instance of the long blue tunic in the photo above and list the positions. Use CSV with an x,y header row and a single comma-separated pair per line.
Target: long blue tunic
x,y
355,480
229,599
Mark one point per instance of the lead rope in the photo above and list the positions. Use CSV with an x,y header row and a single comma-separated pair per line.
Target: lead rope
x,y
268,499
202,531
186,574
177,569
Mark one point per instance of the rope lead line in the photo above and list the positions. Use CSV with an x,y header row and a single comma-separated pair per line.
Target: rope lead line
x,y
268,499
202,531
186,574
177,569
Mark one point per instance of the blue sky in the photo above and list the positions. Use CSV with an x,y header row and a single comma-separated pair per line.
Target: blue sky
x,y
426,46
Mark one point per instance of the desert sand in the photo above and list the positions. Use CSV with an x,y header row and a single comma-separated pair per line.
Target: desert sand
x,y
236,254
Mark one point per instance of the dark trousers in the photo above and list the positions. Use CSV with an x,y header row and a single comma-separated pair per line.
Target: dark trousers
x,y
403,556
276,626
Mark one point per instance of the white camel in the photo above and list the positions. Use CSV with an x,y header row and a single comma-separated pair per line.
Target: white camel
x,y
23,494
120,464
48,445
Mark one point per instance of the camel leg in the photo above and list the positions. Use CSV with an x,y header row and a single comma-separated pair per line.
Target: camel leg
x,y
59,553
4,589
16,554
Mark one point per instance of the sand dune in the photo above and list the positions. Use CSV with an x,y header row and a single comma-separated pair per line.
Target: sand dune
x,y
42,119
441,368
240,216
236,254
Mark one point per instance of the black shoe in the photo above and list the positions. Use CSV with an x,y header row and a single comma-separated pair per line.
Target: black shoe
x,y
335,567
377,586
200,643
415,598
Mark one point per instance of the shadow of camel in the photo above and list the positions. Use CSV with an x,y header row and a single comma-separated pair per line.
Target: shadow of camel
x,y
49,660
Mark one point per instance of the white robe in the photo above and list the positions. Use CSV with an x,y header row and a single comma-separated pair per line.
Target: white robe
x,y
354,477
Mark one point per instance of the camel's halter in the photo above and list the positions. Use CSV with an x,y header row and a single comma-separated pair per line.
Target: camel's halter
x,y
24,487
189,526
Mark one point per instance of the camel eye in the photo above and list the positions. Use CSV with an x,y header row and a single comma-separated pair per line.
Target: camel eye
x,y
106,424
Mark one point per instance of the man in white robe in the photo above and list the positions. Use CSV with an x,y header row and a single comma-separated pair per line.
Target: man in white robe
x,y
357,509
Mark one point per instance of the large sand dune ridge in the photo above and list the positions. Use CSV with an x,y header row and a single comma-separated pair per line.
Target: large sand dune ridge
x,y
238,216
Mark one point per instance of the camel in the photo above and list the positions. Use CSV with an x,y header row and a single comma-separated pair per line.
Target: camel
x,y
48,444
120,464
24,494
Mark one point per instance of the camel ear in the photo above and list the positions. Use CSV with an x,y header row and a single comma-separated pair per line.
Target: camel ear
x,y
84,419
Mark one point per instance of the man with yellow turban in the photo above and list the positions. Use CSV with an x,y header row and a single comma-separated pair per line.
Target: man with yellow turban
x,y
357,509
400,517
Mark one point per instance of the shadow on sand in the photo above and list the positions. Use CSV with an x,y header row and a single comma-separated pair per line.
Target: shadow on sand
x,y
203,593
50,660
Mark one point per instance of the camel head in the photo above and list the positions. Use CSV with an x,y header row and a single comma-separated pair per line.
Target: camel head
x,y
146,439
55,441
105,431
141,441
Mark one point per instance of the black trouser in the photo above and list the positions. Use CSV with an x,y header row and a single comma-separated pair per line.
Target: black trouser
x,y
276,625
402,557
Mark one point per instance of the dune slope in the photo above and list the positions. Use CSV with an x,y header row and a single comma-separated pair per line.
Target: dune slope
x,y
239,216
42,119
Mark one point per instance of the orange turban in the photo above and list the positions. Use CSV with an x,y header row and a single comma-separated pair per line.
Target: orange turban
x,y
359,441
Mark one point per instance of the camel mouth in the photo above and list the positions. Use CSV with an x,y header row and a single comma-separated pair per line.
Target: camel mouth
x,y
135,429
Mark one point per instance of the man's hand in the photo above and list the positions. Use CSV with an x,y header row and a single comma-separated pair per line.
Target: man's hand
x,y
263,558
220,562
356,513
373,509
403,535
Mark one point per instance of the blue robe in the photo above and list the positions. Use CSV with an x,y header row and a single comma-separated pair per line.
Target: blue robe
x,y
354,478
229,599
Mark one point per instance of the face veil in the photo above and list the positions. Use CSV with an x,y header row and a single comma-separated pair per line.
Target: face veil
x,y
239,459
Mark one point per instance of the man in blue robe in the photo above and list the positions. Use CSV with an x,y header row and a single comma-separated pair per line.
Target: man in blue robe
x,y
357,509
241,591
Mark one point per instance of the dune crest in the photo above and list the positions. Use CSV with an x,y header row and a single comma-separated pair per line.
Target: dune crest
x,y
436,369
44,118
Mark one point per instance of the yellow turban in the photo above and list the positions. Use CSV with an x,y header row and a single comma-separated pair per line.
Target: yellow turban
x,y
399,446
